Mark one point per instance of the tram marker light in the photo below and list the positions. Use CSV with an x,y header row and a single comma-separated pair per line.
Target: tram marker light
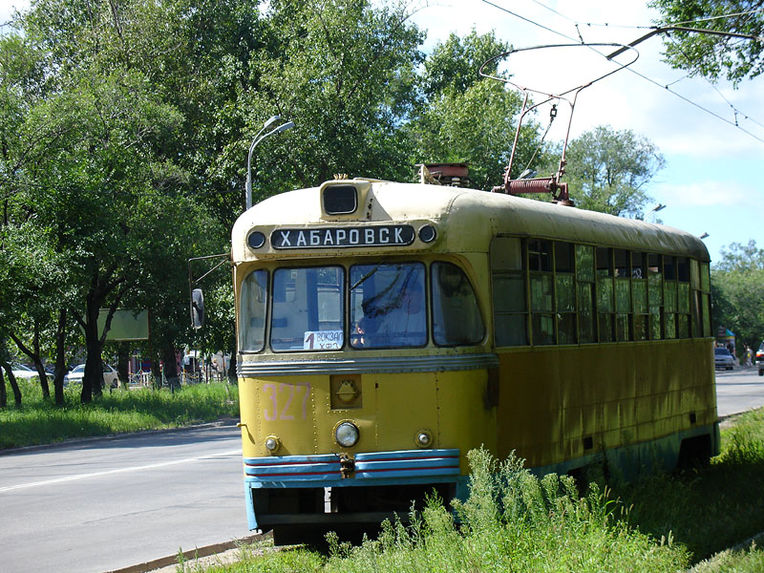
x,y
424,439
427,234
255,240
272,444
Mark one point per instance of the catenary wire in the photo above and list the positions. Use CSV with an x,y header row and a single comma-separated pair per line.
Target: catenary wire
x,y
639,74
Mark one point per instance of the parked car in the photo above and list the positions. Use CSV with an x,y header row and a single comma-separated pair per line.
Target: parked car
x,y
110,377
723,359
760,359
23,372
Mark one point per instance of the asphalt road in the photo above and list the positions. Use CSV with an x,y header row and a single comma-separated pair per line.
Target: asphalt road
x,y
738,390
106,504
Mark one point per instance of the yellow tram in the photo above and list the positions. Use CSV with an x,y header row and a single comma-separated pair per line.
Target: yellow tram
x,y
386,329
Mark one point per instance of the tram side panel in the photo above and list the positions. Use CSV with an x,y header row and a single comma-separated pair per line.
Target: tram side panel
x,y
561,408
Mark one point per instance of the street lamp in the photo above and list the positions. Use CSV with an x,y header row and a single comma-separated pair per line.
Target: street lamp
x,y
704,235
258,138
654,210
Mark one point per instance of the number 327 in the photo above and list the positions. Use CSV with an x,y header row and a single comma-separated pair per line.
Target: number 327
x,y
284,398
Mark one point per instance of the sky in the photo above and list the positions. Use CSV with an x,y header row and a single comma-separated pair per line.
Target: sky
x,y
711,136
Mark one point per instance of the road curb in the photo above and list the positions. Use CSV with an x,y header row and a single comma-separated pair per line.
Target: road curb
x,y
172,560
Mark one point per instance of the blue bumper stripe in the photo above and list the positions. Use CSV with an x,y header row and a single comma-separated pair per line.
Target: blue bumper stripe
x,y
369,467
416,463
293,468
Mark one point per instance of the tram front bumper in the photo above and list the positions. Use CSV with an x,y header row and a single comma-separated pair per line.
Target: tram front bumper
x,y
297,489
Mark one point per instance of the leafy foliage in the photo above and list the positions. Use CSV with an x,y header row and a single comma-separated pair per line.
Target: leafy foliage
x,y
464,117
737,281
343,72
715,56
608,170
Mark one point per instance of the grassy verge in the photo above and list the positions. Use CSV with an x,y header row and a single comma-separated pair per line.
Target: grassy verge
x,y
514,521
713,508
40,422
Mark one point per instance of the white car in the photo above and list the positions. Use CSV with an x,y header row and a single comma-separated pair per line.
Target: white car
x,y
23,372
110,377
723,359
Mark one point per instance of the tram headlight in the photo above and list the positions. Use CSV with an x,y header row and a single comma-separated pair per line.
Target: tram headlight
x,y
346,434
272,444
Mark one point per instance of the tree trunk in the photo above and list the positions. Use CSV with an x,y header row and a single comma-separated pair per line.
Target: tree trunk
x,y
123,364
34,355
92,379
37,359
3,393
232,364
12,380
60,368
170,366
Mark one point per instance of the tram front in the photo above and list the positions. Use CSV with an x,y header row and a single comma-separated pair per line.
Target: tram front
x,y
363,357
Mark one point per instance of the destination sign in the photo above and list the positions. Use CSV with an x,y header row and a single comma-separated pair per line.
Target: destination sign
x,y
333,237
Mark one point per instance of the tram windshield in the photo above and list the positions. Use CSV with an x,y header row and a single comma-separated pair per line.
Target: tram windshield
x,y
456,317
308,309
254,291
388,305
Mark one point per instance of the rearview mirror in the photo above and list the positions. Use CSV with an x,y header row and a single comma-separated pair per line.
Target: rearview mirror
x,y
197,308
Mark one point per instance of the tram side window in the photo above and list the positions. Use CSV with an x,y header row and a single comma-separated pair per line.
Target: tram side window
x,y
640,307
456,319
683,297
701,303
542,291
705,287
605,304
254,290
510,311
669,297
622,293
307,309
388,306
565,289
585,286
655,294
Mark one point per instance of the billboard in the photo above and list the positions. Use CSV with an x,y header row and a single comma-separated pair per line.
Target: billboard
x,y
125,325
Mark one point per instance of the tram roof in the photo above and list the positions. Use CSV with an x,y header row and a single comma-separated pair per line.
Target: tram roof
x,y
468,218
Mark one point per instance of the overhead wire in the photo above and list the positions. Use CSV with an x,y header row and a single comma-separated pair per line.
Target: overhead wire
x,y
735,110
639,74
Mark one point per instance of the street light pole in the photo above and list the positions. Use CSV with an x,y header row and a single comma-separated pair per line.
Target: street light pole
x,y
258,138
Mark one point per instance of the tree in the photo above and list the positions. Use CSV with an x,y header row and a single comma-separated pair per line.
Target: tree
x,y
607,171
343,71
98,188
464,117
714,56
737,283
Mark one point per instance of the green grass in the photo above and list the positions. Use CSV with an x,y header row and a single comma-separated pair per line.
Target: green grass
x,y
708,509
41,422
514,521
